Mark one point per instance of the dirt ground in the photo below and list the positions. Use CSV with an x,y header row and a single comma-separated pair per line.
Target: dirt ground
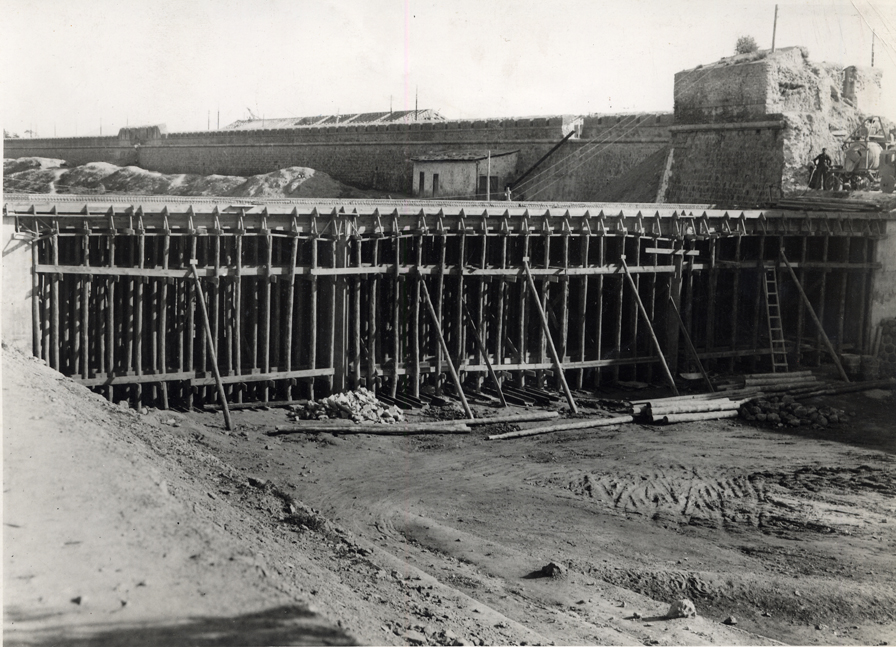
x,y
163,528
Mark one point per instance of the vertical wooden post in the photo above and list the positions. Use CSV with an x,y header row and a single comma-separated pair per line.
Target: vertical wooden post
x,y
35,300
163,316
564,300
85,305
290,303
620,303
801,310
583,309
735,301
372,328
460,346
440,278
396,317
757,302
558,365
821,299
672,323
524,307
237,306
314,317
438,330
55,339
502,295
480,330
711,301
138,310
545,304
191,319
266,321
356,317
415,319
599,319
211,348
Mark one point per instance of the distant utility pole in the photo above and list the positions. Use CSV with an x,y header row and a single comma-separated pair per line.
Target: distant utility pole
x,y
218,127
416,95
208,122
872,47
775,28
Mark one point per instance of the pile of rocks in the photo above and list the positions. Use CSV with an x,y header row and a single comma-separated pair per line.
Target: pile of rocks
x,y
783,410
887,348
360,405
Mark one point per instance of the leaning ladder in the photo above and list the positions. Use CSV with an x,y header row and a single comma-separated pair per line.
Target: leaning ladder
x,y
775,329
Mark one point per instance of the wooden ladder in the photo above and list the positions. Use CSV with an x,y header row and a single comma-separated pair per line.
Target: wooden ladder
x,y
775,329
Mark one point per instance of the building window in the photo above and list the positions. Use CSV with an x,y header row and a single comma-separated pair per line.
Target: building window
x,y
422,183
435,184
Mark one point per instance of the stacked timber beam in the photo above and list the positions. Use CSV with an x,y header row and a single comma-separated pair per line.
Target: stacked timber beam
x,y
309,298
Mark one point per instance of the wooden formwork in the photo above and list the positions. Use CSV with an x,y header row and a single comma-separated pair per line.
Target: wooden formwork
x,y
307,298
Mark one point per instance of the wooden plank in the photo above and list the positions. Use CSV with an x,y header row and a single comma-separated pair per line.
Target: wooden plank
x,y
656,342
633,344
861,341
579,424
558,366
483,352
827,342
428,270
690,344
438,330
211,351
85,309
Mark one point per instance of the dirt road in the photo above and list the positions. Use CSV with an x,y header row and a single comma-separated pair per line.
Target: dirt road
x,y
440,539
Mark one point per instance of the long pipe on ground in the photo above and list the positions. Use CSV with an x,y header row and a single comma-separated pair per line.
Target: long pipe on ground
x,y
579,424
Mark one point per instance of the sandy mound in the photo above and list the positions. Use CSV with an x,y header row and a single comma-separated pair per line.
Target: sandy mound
x,y
42,175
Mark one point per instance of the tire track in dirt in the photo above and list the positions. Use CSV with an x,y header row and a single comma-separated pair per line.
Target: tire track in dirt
x,y
803,499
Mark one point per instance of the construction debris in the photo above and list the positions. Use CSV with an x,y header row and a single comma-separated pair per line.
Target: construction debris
x,y
578,424
785,410
359,405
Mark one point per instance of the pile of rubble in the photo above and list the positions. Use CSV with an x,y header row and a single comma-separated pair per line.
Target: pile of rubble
x,y
785,410
360,405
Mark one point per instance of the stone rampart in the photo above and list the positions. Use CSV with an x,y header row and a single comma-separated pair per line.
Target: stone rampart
x,y
378,157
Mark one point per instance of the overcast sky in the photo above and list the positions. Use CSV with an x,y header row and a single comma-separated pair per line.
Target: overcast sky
x,y
69,67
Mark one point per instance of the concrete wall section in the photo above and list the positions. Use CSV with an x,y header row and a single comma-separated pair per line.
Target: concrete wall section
x,y
883,289
16,292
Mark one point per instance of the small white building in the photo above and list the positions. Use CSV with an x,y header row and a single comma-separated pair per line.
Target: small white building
x,y
462,174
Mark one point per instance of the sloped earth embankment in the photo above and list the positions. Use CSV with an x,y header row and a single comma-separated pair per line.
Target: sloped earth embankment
x,y
183,530
53,176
